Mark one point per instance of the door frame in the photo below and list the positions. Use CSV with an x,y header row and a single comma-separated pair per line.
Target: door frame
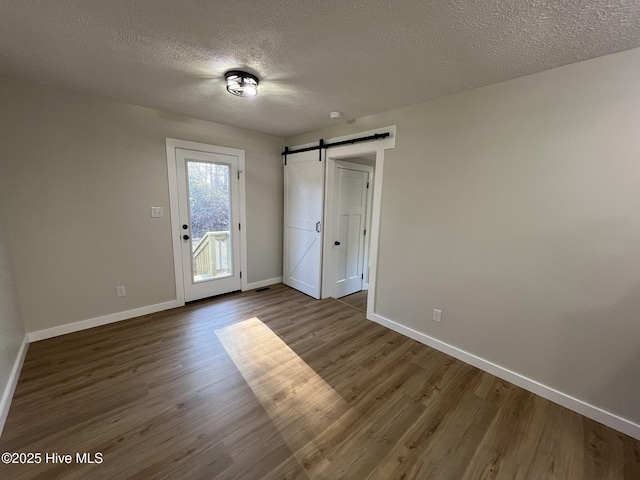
x,y
330,226
377,149
172,144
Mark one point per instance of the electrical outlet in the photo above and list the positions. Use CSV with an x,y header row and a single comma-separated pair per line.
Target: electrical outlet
x,y
121,291
437,315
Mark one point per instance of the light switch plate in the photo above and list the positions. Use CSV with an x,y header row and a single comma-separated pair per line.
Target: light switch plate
x,y
157,212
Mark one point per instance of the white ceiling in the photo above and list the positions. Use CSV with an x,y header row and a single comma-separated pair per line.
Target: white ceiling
x,y
313,57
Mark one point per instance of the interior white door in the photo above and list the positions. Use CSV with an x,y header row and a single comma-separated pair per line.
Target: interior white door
x,y
208,201
351,209
303,203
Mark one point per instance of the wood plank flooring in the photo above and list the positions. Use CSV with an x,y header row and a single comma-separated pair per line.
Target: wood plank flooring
x,y
356,300
276,385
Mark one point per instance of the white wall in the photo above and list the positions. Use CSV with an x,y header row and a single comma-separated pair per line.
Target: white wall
x,y
515,209
78,178
12,331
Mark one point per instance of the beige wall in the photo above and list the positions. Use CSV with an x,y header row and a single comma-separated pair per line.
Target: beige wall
x,y
78,178
515,209
12,329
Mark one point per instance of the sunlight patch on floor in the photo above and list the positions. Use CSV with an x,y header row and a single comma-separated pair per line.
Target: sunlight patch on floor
x,y
299,402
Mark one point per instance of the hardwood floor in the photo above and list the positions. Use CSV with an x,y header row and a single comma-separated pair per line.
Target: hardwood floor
x,y
276,385
356,300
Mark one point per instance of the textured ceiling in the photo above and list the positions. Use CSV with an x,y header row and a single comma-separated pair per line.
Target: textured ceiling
x,y
313,57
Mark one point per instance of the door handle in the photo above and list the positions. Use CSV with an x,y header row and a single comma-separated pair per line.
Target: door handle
x,y
318,227
336,243
185,237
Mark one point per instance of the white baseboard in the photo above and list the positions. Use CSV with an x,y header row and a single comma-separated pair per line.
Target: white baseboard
x,y
263,283
599,415
119,316
98,321
10,388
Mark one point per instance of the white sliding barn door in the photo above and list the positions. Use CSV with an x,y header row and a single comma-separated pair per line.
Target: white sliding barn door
x,y
303,204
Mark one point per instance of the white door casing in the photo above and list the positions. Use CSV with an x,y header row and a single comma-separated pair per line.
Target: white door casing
x,y
303,209
350,213
178,153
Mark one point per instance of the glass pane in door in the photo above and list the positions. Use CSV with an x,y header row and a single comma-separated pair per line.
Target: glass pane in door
x,y
210,220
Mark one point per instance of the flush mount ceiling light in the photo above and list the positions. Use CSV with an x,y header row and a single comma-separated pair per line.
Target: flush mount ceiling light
x,y
242,84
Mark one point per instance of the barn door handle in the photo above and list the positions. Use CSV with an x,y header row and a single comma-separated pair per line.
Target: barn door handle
x,y
318,227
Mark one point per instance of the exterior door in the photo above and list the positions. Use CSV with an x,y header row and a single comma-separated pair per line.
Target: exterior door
x,y
303,203
351,208
208,201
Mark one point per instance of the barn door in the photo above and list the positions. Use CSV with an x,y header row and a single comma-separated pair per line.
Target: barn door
x,y
303,222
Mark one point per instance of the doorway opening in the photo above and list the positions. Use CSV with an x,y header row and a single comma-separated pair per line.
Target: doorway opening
x,y
370,155
310,175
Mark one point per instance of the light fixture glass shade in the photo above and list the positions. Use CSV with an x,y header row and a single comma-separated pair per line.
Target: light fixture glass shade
x,y
241,84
